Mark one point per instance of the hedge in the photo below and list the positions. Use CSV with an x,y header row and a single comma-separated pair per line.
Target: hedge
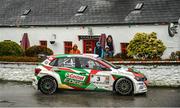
x,y
35,50
18,59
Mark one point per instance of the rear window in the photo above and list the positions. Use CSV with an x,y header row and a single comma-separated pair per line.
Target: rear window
x,y
63,62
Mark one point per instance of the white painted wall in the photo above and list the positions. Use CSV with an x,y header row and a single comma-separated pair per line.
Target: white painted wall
x,y
119,33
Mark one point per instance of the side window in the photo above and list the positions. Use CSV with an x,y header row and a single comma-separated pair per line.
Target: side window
x,y
63,62
86,63
91,64
101,67
68,62
54,62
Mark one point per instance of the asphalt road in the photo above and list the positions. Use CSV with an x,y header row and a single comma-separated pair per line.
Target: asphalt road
x,y
15,94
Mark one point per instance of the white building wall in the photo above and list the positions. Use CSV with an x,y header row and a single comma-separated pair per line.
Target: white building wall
x,y
119,34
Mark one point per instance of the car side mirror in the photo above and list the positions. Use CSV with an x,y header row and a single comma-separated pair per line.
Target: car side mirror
x,y
87,66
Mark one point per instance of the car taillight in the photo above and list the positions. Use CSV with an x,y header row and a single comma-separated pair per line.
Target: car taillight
x,y
36,71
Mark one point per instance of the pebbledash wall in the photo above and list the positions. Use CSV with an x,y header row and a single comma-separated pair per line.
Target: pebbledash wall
x,y
158,75
121,34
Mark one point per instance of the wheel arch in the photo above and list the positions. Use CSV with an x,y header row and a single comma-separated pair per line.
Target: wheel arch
x,y
47,76
126,78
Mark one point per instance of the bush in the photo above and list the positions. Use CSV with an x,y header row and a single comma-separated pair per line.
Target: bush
x,y
35,50
18,59
122,56
10,48
145,46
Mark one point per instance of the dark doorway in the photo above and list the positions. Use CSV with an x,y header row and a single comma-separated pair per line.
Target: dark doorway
x,y
88,46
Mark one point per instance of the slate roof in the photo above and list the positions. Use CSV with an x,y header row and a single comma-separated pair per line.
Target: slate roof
x,y
98,12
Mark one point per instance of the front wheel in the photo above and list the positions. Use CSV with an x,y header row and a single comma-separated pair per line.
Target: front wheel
x,y
48,85
124,86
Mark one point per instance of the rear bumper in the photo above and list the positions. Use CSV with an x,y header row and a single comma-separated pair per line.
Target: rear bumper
x,y
35,83
140,87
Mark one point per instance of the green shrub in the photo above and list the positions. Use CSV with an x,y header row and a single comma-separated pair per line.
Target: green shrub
x,y
35,50
145,46
122,56
18,59
10,48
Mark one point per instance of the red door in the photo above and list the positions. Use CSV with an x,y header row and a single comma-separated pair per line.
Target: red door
x,y
124,47
88,46
67,47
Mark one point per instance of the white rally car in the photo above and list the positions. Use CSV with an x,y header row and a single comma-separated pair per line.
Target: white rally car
x,y
87,72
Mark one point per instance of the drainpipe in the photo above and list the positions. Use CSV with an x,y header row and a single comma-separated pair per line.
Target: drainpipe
x,y
178,29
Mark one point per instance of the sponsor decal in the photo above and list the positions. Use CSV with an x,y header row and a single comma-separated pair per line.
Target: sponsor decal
x,y
74,79
46,62
51,58
141,87
75,76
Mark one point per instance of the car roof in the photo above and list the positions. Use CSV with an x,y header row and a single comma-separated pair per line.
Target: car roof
x,y
95,56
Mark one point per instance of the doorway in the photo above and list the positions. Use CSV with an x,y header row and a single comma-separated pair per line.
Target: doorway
x,y
88,46
124,47
43,43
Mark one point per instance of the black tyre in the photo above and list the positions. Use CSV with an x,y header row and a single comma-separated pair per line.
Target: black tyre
x,y
47,85
124,86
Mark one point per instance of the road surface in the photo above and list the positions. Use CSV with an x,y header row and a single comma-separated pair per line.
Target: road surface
x,y
15,94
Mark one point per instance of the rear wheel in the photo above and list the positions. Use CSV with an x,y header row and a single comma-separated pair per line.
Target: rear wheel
x,y
124,86
47,85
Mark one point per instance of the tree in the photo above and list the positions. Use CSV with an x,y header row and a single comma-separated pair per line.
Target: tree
x,y
145,46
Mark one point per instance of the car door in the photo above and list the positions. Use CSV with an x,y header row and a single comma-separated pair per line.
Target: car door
x,y
71,74
98,74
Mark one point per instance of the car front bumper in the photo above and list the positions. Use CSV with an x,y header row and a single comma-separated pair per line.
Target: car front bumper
x,y
35,83
140,87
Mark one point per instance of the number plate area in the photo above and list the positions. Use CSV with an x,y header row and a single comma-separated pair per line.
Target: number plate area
x,y
100,80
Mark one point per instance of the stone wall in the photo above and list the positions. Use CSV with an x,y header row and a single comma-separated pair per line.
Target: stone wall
x,y
16,72
161,75
158,75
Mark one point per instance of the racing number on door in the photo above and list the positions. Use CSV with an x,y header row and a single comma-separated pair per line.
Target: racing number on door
x,y
97,78
100,79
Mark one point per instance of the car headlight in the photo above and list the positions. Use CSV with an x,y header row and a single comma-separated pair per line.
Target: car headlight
x,y
140,78
137,78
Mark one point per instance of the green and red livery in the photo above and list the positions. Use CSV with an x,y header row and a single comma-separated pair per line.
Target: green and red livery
x,y
86,72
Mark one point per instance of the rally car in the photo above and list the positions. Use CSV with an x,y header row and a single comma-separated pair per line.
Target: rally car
x,y
86,72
